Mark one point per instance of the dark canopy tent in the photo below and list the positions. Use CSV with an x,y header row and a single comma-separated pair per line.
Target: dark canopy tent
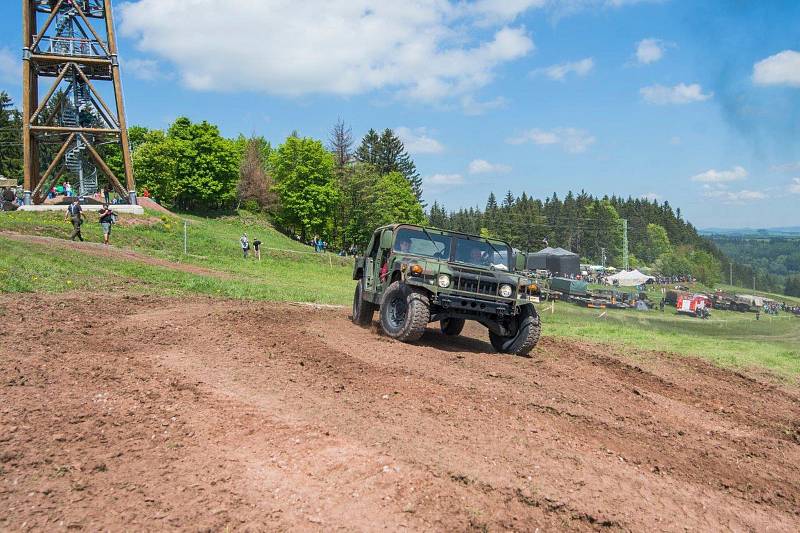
x,y
557,260
537,261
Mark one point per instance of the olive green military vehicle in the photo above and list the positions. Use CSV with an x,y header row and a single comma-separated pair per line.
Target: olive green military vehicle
x,y
414,275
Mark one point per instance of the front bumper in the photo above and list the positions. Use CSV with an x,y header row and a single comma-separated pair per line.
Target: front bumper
x,y
467,305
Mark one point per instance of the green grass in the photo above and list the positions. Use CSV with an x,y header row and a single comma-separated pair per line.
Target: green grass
x,y
213,244
728,338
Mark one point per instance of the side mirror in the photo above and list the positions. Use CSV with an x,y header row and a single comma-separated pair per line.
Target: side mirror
x,y
386,239
519,261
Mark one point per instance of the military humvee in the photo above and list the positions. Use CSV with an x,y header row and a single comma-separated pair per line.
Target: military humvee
x,y
415,275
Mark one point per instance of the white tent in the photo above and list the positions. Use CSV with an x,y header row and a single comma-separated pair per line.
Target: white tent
x,y
629,279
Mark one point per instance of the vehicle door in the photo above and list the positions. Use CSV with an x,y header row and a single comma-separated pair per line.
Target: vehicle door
x,y
370,274
382,259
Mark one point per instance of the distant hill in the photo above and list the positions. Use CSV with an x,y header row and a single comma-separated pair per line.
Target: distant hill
x,y
787,231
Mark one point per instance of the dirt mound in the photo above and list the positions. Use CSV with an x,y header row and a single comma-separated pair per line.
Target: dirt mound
x,y
144,413
149,203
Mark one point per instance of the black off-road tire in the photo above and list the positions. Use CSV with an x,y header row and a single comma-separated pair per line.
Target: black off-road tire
x,y
405,312
529,328
363,311
452,326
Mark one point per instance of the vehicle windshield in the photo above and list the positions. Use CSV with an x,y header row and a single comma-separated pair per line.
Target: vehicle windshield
x,y
425,244
483,253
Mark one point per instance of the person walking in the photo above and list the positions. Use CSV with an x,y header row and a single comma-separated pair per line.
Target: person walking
x,y
75,212
107,217
257,249
245,245
106,195
67,189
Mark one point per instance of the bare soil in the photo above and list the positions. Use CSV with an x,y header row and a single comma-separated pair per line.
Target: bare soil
x,y
144,413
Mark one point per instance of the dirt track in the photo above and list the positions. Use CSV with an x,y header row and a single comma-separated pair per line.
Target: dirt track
x,y
141,413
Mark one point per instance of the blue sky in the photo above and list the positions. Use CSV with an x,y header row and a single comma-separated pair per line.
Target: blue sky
x,y
693,102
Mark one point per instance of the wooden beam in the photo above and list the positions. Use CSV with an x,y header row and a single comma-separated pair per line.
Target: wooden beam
x,y
52,166
91,28
52,90
97,94
47,23
123,125
27,97
63,129
102,164
49,58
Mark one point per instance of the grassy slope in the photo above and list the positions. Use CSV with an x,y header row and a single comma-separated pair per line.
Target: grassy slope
x,y
731,339
213,243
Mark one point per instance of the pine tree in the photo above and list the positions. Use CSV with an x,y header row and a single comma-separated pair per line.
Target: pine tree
x,y
387,154
368,151
10,138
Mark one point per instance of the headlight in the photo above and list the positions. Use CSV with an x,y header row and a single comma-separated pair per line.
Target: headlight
x,y
443,281
505,290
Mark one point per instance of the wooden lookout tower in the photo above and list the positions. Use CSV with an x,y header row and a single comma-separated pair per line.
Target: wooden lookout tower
x,y
69,47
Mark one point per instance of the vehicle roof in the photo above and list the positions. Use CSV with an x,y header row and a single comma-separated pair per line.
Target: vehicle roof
x,y
448,231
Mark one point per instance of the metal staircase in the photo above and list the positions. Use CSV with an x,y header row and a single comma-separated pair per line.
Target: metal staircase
x,y
78,103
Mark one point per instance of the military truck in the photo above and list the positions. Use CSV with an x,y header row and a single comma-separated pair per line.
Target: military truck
x,y
413,275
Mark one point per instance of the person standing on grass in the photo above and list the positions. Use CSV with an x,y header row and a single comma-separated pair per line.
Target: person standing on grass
x,y
75,212
257,249
245,245
106,220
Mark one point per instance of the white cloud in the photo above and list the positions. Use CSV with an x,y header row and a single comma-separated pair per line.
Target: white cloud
x,y
651,196
718,176
573,140
143,69
500,10
421,50
470,106
649,51
736,197
10,67
444,179
417,141
481,166
782,68
675,140
794,186
559,72
679,94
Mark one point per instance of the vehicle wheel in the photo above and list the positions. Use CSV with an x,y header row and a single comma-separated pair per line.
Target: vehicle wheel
x,y
528,329
405,312
362,309
452,326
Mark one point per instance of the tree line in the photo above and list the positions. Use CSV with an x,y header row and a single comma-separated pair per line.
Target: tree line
x,y
340,189
593,228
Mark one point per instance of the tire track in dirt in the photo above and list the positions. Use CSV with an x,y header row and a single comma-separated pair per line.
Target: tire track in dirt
x,y
288,417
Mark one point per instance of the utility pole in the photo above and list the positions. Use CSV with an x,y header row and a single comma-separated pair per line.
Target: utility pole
x,y
625,243
731,276
76,47
603,257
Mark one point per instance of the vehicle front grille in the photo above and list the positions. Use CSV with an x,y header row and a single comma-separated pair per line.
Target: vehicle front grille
x,y
477,286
